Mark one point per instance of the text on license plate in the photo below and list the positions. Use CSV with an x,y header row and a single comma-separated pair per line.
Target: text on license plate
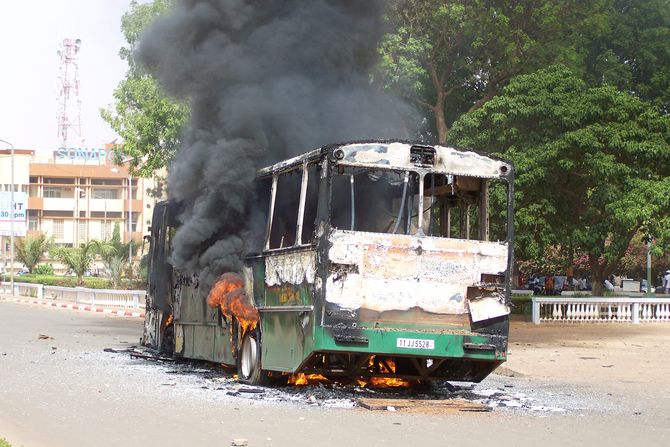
x,y
415,343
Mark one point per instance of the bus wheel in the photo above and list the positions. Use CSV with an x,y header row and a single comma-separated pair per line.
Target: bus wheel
x,y
167,341
249,360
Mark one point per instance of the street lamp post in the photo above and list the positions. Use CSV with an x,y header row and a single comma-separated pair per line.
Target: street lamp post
x,y
647,243
11,218
130,220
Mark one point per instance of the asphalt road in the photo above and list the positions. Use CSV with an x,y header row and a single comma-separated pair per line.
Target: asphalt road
x,y
63,390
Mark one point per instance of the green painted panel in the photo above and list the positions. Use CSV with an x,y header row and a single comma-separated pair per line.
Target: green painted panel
x,y
285,343
222,349
386,342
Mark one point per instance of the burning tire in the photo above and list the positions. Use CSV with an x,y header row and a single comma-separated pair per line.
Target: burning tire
x,y
167,341
249,360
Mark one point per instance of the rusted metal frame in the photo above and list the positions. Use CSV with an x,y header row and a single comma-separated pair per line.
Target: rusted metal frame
x,y
510,235
402,202
462,229
484,210
273,196
353,203
362,361
422,370
278,251
322,244
286,309
410,209
301,207
432,203
290,164
384,362
422,178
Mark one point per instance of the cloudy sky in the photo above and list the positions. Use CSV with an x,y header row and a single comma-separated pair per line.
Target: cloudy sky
x,y
31,32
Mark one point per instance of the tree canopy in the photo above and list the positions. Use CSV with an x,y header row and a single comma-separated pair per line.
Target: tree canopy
x,y
78,259
452,57
589,137
30,249
592,163
149,121
630,49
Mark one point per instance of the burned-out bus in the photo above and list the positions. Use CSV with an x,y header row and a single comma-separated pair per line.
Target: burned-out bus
x,y
378,259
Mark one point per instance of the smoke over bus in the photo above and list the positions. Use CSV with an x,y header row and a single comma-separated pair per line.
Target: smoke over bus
x,y
265,80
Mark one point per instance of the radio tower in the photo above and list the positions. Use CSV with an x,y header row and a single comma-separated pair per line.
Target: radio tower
x,y
69,102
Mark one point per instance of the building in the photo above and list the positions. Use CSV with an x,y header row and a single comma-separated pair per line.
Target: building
x,y
75,195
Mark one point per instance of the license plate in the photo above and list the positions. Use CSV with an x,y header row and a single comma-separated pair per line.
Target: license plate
x,y
415,343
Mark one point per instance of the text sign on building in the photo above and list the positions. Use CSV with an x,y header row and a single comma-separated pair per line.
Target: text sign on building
x,y
84,154
19,213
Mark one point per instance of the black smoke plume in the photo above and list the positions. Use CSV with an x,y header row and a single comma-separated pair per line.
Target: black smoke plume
x,y
265,80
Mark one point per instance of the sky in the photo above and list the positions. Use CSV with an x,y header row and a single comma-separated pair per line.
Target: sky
x,y
31,32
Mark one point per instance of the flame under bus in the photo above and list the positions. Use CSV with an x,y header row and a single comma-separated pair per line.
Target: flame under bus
x,y
384,259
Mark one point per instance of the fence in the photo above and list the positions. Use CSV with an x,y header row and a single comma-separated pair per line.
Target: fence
x,y
601,310
118,299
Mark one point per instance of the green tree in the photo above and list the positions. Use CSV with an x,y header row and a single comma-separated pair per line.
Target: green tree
x,y
147,119
114,254
592,164
452,57
30,249
78,259
632,50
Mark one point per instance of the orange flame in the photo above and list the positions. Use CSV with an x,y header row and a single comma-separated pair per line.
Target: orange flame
x,y
385,382
301,379
381,365
228,295
167,322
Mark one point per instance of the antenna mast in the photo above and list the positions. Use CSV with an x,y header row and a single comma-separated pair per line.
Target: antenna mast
x,y
69,102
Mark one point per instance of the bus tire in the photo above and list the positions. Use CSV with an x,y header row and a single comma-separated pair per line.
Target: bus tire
x,y
249,360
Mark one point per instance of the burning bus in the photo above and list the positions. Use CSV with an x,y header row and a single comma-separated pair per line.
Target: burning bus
x,y
376,259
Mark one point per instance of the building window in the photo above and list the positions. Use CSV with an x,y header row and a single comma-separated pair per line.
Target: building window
x,y
106,182
53,192
106,231
105,193
59,180
83,236
32,220
59,229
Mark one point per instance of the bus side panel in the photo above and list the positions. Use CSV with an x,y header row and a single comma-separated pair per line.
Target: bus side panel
x,y
202,334
287,317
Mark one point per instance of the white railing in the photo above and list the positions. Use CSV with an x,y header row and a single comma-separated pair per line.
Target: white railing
x,y
120,299
601,310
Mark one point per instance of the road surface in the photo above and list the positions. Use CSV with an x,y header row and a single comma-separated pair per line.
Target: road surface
x,y
59,388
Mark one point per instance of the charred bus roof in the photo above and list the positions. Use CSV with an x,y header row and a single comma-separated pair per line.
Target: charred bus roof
x,y
401,155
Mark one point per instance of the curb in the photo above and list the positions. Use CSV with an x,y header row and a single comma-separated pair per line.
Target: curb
x,y
72,306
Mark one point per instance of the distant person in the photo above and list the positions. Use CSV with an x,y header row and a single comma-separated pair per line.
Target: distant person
x,y
549,285
666,281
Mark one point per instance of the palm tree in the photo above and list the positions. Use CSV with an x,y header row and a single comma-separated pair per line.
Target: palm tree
x,y
114,255
30,249
79,259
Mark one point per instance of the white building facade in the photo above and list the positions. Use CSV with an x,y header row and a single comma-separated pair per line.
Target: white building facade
x,y
75,195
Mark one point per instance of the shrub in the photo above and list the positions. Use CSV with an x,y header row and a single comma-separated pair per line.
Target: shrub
x,y
44,269
62,281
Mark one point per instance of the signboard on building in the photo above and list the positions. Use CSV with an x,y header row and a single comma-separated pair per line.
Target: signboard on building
x,y
84,154
19,213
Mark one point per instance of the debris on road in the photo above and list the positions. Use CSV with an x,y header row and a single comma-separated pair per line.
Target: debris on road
x,y
44,337
444,405
239,442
